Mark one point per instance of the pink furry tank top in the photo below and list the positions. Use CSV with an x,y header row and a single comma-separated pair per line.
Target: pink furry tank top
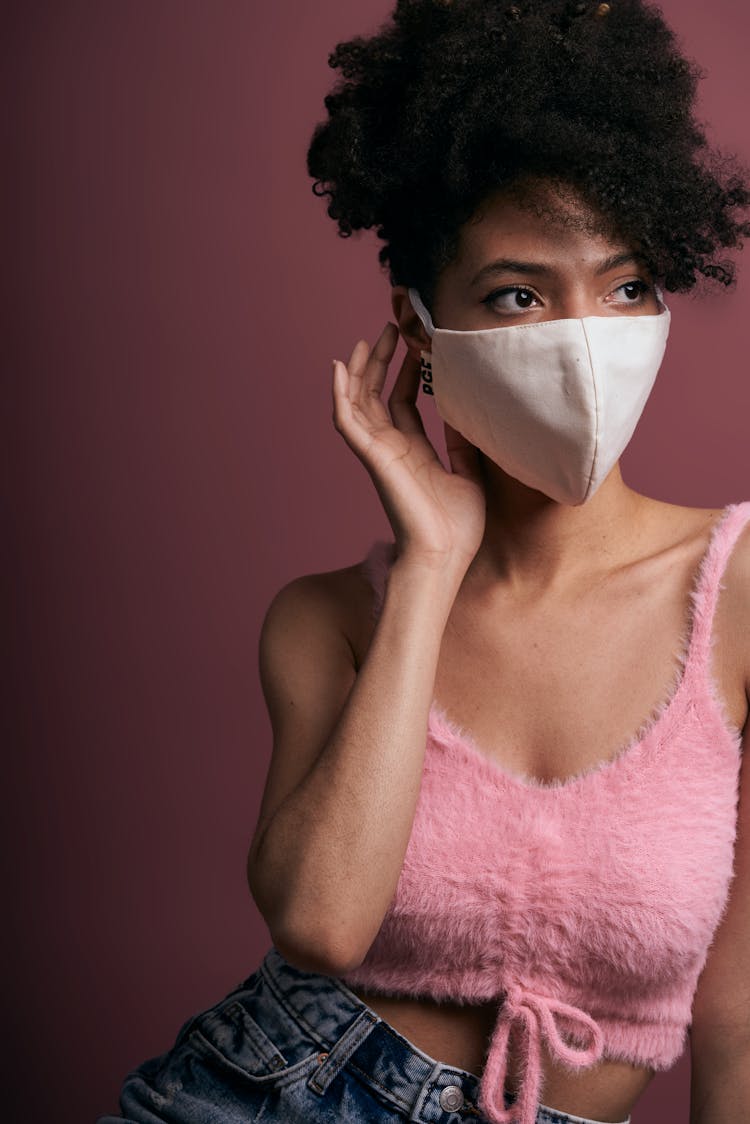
x,y
586,905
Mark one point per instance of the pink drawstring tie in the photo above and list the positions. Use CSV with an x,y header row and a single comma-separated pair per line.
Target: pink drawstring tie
x,y
535,1016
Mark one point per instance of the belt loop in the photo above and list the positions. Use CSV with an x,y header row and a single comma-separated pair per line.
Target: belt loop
x,y
342,1050
428,1087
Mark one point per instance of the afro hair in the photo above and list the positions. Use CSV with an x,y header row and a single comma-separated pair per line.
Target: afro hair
x,y
452,100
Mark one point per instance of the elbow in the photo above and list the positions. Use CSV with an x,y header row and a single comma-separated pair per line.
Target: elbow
x,y
313,948
306,933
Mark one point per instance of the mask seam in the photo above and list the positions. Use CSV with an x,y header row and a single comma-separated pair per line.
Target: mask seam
x,y
596,406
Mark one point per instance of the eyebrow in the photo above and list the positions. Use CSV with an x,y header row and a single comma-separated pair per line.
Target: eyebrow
x,y
511,265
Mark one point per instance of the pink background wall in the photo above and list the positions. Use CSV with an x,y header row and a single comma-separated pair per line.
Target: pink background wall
x,y
177,295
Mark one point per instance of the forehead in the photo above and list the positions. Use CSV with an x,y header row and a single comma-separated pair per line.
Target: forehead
x,y
535,218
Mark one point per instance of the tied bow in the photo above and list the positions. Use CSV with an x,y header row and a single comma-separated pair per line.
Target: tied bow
x,y
535,1016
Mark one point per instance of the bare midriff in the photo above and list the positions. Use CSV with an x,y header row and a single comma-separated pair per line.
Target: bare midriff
x,y
458,1034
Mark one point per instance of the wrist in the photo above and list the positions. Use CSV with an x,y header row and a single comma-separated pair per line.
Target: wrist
x,y
429,581
441,568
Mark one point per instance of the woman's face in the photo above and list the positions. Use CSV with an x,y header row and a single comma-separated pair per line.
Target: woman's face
x,y
539,253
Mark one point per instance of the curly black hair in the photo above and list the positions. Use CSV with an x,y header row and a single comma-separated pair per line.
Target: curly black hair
x,y
453,99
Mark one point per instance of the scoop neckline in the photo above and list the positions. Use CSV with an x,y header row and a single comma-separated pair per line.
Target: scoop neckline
x,y
665,710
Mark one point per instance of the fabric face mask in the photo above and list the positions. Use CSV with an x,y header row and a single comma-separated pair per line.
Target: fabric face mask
x,y
554,403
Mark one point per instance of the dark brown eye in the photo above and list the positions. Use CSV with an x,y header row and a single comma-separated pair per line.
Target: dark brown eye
x,y
524,298
511,298
633,290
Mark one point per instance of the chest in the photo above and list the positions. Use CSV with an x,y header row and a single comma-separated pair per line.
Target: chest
x,y
622,863
553,688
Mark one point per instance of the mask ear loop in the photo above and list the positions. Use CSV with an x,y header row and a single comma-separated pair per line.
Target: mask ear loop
x,y
660,297
421,311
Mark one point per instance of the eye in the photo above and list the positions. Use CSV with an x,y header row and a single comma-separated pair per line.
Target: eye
x,y
632,292
512,298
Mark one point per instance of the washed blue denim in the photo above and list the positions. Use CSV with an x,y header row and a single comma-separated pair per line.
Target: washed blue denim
x,y
299,1048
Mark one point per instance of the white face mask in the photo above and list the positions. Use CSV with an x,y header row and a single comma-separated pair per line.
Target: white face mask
x,y
553,403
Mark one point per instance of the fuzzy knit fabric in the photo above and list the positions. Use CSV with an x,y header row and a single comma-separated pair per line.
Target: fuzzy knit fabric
x,y
586,905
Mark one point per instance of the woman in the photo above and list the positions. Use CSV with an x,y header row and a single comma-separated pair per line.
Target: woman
x,y
520,923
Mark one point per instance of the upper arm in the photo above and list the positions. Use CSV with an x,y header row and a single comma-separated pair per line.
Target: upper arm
x,y
721,1008
308,663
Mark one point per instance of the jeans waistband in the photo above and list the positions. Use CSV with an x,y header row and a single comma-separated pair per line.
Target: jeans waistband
x,y
350,1032
425,1090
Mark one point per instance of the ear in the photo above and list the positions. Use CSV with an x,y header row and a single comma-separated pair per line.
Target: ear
x,y
411,327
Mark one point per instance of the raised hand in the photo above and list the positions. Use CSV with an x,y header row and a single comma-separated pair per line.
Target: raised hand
x,y
437,516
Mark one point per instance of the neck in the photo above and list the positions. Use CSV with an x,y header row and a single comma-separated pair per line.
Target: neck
x,y
532,540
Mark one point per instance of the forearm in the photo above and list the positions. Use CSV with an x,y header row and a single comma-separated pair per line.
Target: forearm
x,y
326,866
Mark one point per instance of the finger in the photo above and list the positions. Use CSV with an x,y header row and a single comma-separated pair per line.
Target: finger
x,y
355,367
358,359
376,366
348,418
402,401
368,369
462,455
361,354
344,403
340,393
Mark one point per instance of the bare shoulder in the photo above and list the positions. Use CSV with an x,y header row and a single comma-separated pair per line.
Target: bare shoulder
x,y
699,524
731,626
322,615
676,527
339,599
738,567
312,643
681,535
733,612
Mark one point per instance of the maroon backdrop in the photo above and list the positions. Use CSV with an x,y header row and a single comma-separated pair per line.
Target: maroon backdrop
x,y
175,294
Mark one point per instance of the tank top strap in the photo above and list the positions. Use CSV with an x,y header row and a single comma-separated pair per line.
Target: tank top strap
x,y
708,585
377,563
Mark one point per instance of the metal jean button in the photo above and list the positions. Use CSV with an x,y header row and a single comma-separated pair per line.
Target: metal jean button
x,y
451,1098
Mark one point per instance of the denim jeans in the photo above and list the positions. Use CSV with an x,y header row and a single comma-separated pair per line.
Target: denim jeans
x,y
299,1048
